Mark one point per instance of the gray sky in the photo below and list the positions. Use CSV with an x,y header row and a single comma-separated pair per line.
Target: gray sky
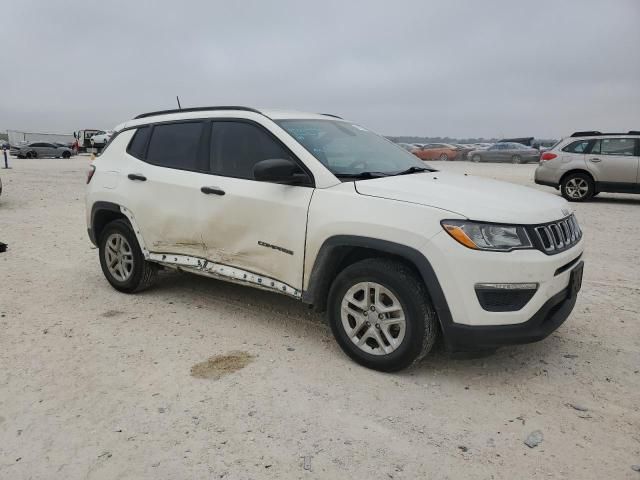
x,y
433,68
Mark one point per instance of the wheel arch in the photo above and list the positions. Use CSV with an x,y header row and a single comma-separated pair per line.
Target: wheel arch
x,y
101,214
578,170
340,251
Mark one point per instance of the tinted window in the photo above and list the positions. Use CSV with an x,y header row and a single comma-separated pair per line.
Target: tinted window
x,y
614,146
577,147
138,143
237,146
175,145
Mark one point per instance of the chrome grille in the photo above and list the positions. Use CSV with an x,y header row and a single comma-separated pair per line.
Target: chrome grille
x,y
558,236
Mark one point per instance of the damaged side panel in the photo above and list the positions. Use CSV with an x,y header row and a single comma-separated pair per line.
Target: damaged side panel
x,y
217,270
257,228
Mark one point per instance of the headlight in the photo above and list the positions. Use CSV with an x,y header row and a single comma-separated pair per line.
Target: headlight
x,y
487,236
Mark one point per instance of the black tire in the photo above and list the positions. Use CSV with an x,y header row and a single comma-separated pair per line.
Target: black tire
x,y
476,158
66,155
421,328
516,159
568,192
143,273
443,157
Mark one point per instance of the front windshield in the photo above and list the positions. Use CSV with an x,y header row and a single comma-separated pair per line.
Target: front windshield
x,y
350,150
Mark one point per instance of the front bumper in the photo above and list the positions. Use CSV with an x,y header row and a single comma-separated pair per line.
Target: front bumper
x,y
466,325
552,314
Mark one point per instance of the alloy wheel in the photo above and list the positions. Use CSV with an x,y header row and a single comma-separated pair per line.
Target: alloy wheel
x,y
373,318
119,257
577,188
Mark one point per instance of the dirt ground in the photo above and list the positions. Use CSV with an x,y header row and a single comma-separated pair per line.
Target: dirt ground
x,y
197,378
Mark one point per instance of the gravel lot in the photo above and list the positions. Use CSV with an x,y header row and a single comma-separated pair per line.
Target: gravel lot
x,y
97,384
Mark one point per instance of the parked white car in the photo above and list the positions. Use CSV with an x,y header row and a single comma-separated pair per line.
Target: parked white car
x,y
101,138
327,212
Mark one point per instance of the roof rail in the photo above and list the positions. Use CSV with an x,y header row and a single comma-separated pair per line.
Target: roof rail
x,y
195,109
594,133
331,115
586,133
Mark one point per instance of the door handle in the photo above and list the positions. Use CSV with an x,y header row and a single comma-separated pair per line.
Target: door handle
x,y
212,191
595,160
137,176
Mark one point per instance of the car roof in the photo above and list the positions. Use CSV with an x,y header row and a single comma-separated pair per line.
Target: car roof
x,y
223,111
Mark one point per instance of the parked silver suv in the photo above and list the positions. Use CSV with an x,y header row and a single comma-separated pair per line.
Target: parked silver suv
x,y
587,163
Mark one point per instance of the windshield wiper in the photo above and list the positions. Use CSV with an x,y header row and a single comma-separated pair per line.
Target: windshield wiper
x,y
411,170
363,175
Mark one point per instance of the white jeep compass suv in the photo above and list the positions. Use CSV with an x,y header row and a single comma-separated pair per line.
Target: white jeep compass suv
x,y
327,212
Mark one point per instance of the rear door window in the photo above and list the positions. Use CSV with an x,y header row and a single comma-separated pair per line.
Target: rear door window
x,y
615,146
175,145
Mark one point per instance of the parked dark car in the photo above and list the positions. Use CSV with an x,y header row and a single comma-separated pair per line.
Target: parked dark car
x,y
506,152
42,149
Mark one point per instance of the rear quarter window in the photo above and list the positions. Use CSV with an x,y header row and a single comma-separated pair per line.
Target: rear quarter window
x,y
577,147
138,144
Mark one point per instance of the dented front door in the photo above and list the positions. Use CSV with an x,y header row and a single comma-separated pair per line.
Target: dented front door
x,y
255,226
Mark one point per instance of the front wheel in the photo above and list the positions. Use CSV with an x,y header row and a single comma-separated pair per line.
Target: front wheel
x,y
380,315
516,159
122,260
443,157
476,158
66,155
577,187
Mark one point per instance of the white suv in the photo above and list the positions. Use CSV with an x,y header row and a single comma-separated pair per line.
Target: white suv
x,y
327,212
587,163
101,138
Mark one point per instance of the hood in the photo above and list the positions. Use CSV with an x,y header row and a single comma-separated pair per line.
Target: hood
x,y
475,198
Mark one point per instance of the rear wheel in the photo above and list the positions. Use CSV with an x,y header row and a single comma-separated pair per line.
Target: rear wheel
x,y
444,157
476,158
577,187
122,260
380,315
66,155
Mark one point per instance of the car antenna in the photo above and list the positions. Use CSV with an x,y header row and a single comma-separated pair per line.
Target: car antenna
x,y
178,100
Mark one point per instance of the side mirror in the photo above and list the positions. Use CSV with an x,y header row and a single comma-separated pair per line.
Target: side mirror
x,y
280,170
